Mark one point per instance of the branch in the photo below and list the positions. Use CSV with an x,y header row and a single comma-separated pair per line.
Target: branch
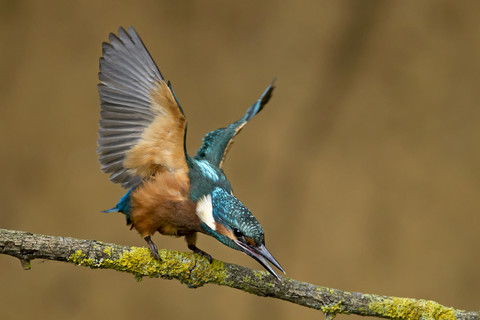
x,y
195,271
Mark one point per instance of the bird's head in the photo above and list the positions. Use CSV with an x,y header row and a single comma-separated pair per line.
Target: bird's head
x,y
224,217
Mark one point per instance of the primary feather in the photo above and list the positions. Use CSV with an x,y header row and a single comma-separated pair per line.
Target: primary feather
x,y
142,127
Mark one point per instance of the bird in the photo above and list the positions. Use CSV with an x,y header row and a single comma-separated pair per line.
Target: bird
x,y
141,144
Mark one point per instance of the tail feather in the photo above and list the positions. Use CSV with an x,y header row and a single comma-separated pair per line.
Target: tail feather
x,y
122,206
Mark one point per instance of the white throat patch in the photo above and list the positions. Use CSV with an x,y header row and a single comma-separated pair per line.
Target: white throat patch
x,y
204,211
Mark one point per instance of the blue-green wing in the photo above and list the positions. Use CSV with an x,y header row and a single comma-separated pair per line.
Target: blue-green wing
x,y
216,143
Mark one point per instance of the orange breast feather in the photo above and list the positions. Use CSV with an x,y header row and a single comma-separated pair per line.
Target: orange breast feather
x,y
162,204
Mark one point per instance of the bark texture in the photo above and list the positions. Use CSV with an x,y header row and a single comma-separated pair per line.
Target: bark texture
x,y
195,271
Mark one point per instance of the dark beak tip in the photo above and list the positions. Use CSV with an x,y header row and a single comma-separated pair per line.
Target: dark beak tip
x,y
263,256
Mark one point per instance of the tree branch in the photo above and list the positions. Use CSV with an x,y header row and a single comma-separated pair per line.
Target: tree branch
x,y
195,271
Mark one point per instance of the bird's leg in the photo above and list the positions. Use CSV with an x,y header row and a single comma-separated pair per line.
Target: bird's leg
x,y
153,248
191,241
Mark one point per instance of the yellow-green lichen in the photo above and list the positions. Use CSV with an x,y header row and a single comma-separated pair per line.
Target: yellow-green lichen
x,y
259,274
25,264
79,258
405,308
108,251
332,310
247,278
139,261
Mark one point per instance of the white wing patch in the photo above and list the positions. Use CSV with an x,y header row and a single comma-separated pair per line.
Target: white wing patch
x,y
204,211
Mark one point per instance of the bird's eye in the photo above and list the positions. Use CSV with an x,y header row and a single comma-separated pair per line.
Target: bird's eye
x,y
237,233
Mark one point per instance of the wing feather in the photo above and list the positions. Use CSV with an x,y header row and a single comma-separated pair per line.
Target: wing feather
x,y
216,143
142,127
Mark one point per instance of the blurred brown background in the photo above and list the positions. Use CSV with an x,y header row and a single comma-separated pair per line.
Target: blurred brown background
x,y
363,169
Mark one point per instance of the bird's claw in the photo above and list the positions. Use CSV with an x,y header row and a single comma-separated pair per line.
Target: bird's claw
x,y
200,252
206,255
153,248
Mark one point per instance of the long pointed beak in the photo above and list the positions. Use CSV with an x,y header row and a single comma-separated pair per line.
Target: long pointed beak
x,y
262,255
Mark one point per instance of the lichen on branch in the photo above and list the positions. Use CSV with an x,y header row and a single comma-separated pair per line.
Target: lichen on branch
x,y
138,261
195,271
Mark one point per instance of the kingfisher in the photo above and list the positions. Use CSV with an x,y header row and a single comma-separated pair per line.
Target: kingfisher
x,y
141,144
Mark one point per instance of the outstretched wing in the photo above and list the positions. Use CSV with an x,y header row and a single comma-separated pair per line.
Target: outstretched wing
x,y
142,127
216,143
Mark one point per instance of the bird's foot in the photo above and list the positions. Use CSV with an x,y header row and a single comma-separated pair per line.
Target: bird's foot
x,y
200,252
153,248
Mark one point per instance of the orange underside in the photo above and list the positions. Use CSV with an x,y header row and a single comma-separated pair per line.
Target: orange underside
x,y
162,205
